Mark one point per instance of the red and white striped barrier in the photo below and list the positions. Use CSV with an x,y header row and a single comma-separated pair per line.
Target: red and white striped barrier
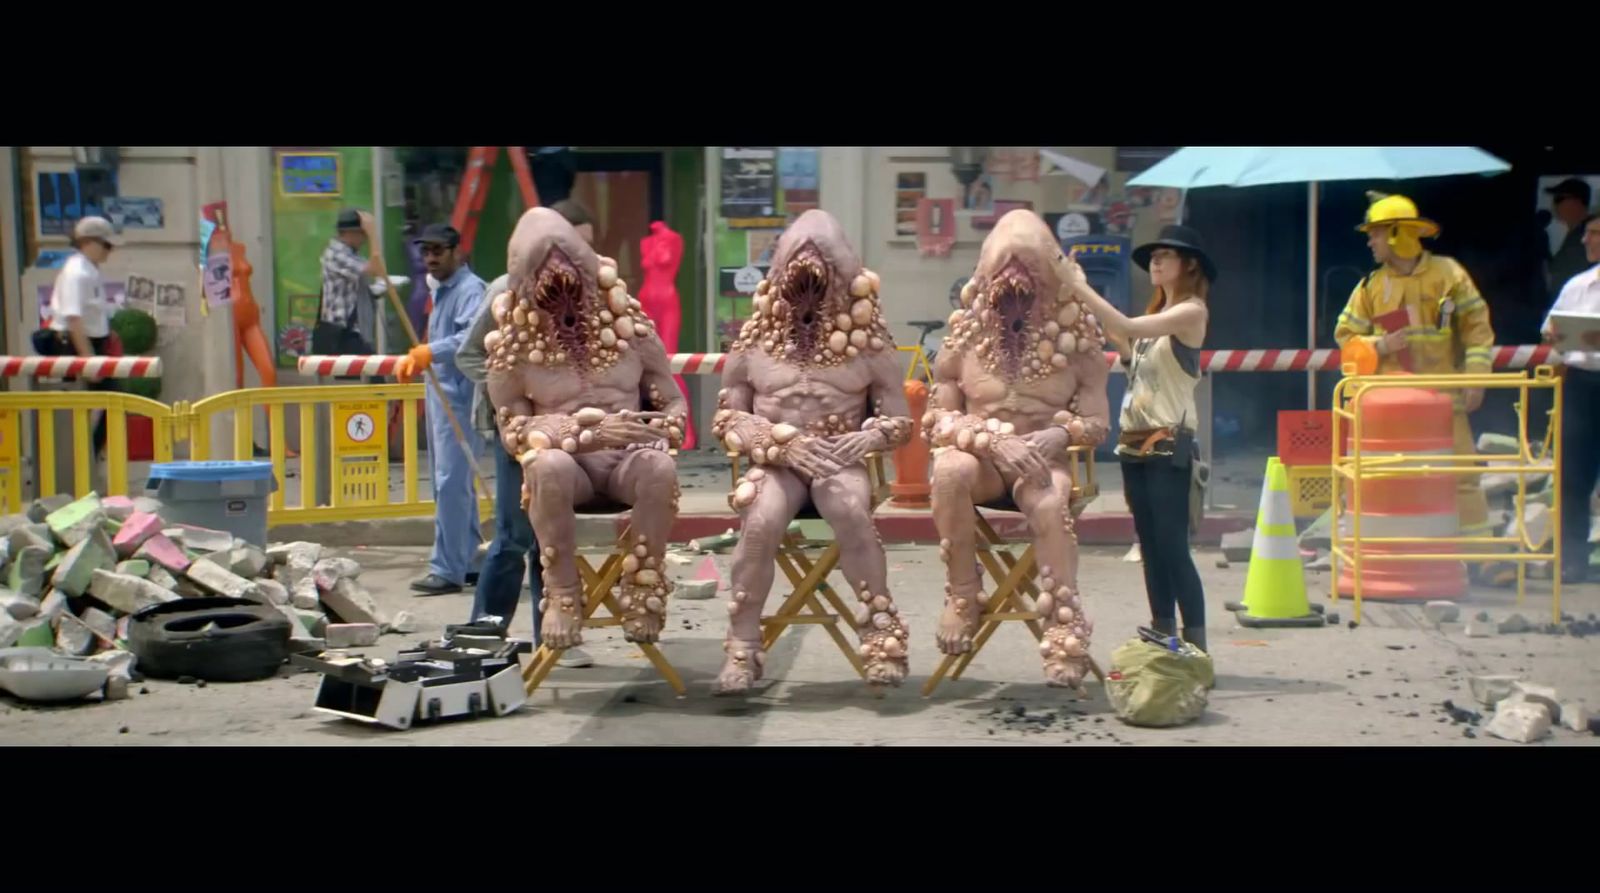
x,y
348,364
80,367
1515,357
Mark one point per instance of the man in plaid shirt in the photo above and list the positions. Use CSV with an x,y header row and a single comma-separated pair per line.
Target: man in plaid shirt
x,y
343,270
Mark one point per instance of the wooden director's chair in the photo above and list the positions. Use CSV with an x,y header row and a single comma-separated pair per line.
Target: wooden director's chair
x,y
808,574
1015,577
597,585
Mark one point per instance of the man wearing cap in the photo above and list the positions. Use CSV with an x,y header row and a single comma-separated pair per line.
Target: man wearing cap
x,y
80,316
1422,313
1570,204
342,288
1580,409
514,552
457,298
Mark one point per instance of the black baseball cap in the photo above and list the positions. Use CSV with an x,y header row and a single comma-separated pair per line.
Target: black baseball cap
x,y
1571,187
438,234
349,218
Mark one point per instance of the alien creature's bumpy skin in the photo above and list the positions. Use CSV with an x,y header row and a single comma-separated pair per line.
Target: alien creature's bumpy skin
x,y
1021,377
572,362
812,386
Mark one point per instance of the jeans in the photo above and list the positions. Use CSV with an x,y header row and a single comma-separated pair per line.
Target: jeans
x,y
1580,460
515,549
1158,495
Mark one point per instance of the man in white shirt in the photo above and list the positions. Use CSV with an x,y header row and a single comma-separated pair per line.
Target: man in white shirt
x,y
80,317
1580,411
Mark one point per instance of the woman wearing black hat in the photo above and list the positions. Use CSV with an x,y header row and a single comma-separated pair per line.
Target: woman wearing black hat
x,y
1162,352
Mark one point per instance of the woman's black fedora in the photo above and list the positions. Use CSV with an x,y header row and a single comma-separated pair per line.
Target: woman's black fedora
x,y
1181,239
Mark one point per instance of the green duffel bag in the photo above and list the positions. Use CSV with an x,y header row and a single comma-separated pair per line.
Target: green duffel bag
x,y
1153,686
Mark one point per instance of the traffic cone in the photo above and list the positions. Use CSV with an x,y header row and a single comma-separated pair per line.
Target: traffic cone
x,y
1261,514
1275,587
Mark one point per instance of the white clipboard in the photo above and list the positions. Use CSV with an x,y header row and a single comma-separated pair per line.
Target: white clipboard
x,y
1576,331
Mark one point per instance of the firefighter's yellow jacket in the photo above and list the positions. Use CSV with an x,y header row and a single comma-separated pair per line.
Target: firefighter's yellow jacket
x,y
1449,321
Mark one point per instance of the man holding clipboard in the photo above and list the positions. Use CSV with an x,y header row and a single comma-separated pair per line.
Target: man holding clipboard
x,y
1573,326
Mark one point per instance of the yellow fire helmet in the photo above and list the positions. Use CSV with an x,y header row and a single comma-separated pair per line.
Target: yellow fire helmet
x,y
1407,227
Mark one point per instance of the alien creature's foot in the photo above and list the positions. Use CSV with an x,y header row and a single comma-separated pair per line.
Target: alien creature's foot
x,y
884,637
644,612
742,668
1066,659
959,621
562,627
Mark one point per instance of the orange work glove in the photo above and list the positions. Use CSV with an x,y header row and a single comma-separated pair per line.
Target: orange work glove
x,y
413,363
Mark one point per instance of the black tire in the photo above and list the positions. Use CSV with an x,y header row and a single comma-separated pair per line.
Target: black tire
x,y
250,640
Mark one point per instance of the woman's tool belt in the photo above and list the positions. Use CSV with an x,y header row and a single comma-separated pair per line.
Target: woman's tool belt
x,y
1152,442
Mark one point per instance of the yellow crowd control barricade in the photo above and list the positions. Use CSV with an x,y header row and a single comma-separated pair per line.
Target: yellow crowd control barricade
x,y
354,458
42,408
1353,468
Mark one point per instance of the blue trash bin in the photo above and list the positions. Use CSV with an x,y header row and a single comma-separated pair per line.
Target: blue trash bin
x,y
229,496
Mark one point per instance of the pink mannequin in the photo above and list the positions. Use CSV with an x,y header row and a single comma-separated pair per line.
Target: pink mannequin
x,y
660,253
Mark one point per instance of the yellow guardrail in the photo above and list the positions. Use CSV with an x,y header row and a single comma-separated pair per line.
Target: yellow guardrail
x,y
1352,468
357,448
352,456
43,405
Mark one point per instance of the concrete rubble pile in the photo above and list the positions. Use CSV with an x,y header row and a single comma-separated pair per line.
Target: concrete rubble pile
x,y
73,571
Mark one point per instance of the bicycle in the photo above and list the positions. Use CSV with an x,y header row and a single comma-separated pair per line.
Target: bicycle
x,y
921,355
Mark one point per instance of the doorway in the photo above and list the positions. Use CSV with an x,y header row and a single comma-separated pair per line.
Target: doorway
x,y
624,192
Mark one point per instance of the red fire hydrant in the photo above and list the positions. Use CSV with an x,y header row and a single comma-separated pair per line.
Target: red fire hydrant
x,y
910,488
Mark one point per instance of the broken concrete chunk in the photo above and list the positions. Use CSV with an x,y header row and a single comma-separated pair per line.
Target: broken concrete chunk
x,y
1480,629
135,531
73,521
117,508
127,593
695,589
160,550
305,594
1536,520
1497,443
16,605
118,661
275,592
722,542
308,646
1575,715
1514,624
72,636
352,604
297,627
162,577
99,621
149,505
26,575
247,561
134,567
9,523
37,633
188,588
94,552
351,635
404,623
203,539
1490,690
278,553
302,559
53,604
10,629
1236,546
329,571
1439,612
1540,694
1522,722
314,621
218,579
42,507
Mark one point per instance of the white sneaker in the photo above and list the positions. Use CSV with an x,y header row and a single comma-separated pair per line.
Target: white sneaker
x,y
574,658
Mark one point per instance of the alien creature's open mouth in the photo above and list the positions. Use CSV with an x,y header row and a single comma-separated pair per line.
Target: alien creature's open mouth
x,y
805,288
559,287
1012,296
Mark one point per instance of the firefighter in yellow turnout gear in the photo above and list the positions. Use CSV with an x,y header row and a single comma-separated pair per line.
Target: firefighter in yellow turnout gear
x,y
1446,327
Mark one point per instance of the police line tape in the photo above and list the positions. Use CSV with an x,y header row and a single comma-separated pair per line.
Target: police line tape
x,y
80,367
1516,357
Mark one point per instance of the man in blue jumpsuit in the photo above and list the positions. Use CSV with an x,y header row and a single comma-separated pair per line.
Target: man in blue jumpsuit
x,y
457,297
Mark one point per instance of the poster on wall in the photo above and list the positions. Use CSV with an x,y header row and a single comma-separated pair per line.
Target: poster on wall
x,y
216,258
760,245
141,292
799,176
310,174
62,198
127,212
909,189
979,194
749,182
171,311
936,226
294,334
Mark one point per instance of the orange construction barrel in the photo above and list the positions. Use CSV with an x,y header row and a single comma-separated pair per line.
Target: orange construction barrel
x,y
1411,422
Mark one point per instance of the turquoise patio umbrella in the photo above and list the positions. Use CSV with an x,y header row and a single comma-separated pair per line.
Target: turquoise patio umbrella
x,y
1194,167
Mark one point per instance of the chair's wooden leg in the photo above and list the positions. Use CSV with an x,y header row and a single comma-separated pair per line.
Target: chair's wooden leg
x,y
998,603
938,674
653,653
814,575
838,637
